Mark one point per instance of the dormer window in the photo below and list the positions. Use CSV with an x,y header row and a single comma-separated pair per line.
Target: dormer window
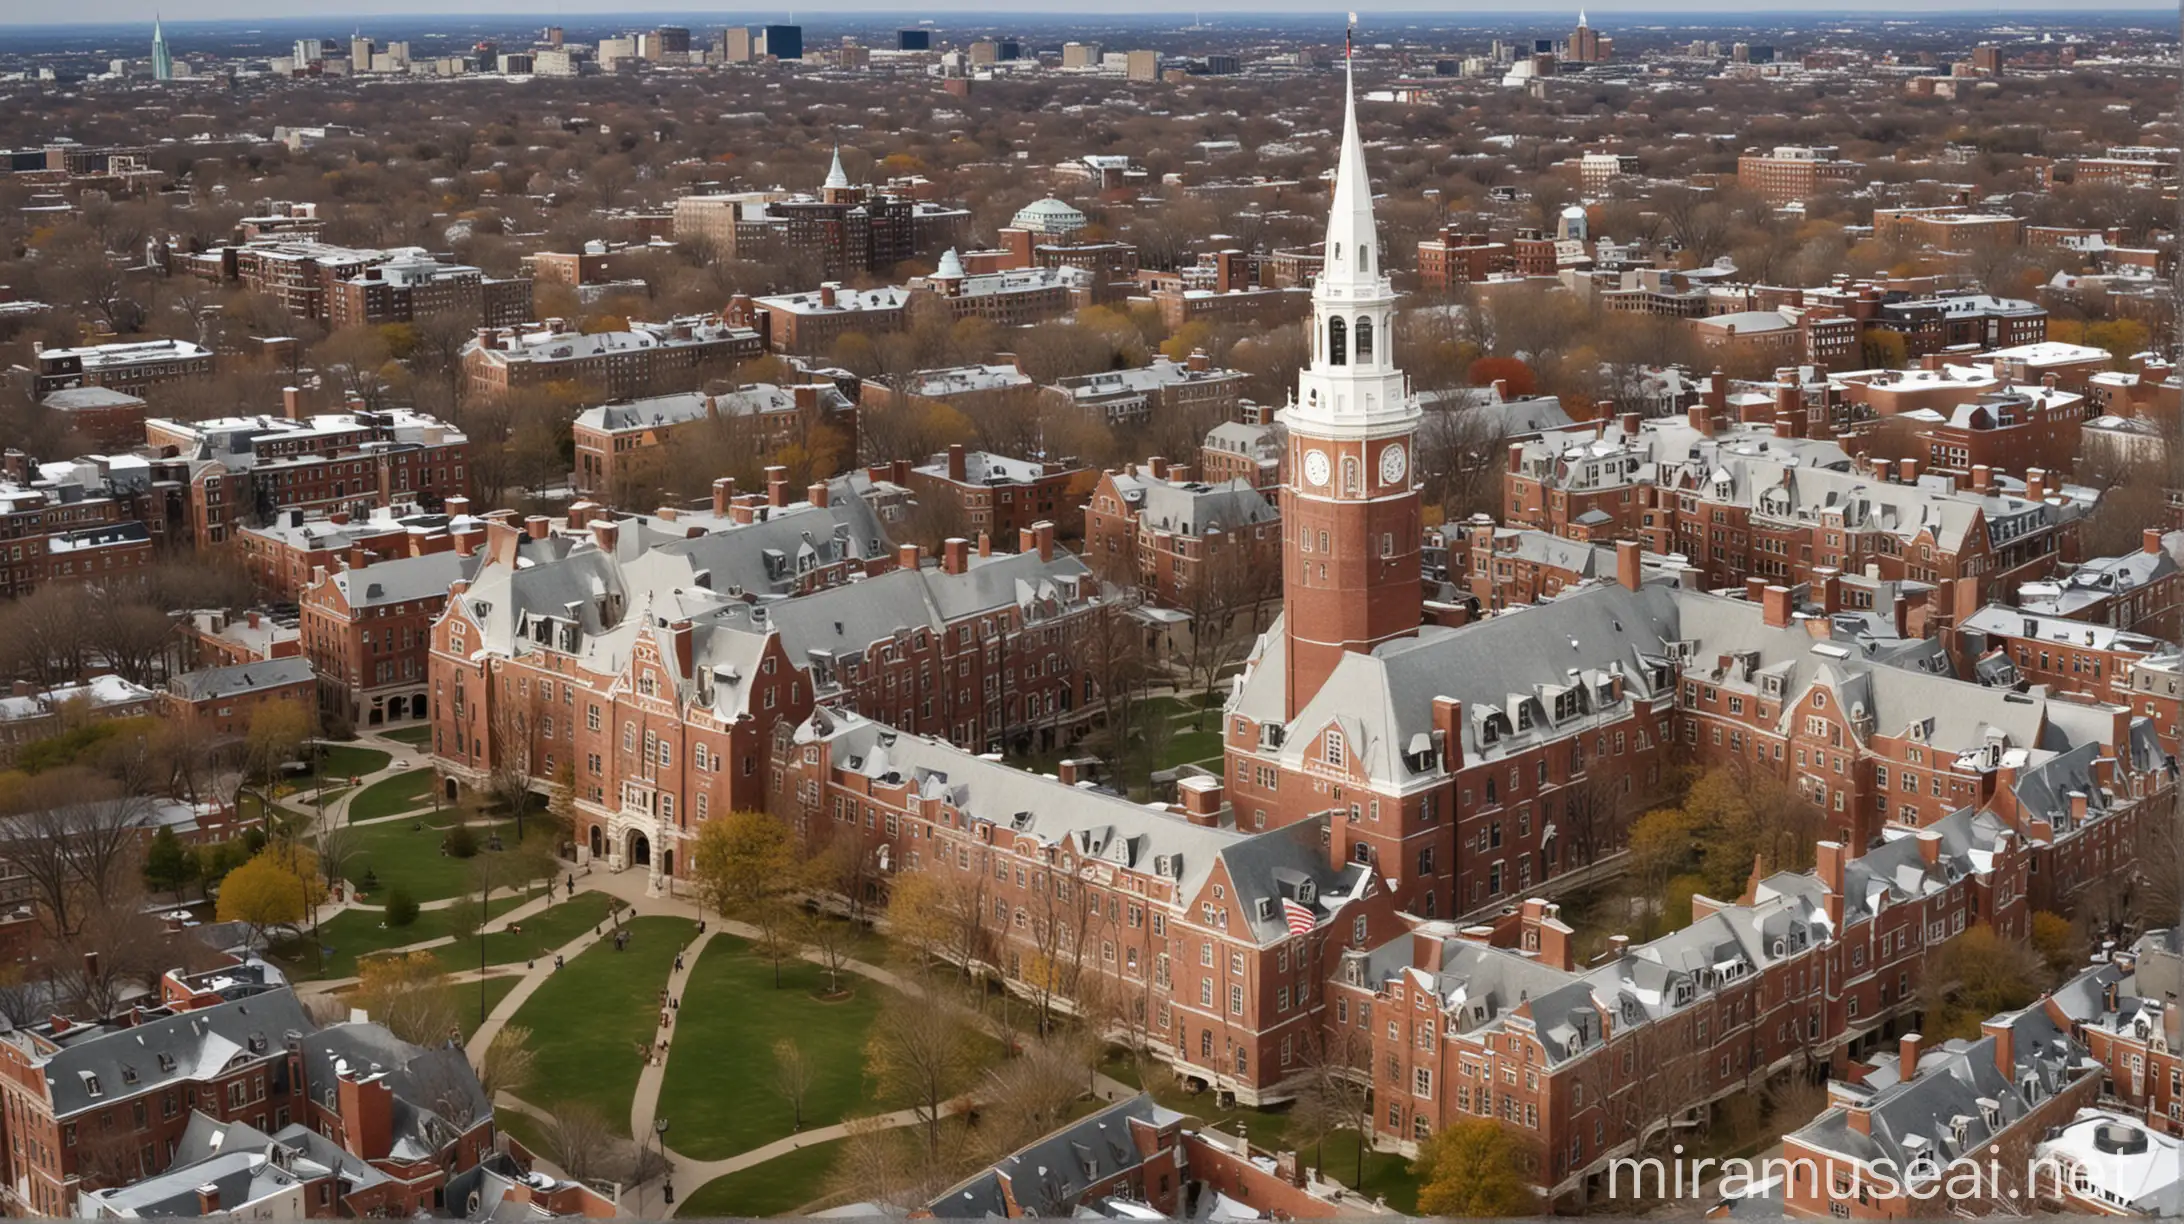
x,y
1336,751
91,1085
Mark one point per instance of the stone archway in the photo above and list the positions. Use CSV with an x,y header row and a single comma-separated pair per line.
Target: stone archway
x,y
451,790
639,850
598,842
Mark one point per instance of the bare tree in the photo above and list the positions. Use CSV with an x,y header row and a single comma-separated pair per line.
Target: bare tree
x,y
577,1139
792,1076
922,1053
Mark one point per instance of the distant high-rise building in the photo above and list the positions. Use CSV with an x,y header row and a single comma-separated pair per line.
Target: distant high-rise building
x,y
735,45
360,53
162,60
1760,53
309,51
1224,65
781,41
1586,47
1543,46
985,51
553,36
1143,66
1080,55
1011,50
671,40
1987,61
913,40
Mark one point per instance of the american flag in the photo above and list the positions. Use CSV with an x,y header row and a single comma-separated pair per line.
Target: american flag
x,y
1300,919
1348,34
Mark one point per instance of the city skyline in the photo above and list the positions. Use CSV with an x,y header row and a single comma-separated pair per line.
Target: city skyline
x,y
22,13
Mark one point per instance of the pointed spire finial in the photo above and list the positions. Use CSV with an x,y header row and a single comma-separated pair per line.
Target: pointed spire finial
x,y
835,175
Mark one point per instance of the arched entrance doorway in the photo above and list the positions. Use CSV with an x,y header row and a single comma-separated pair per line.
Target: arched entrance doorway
x,y
640,850
667,862
598,842
451,796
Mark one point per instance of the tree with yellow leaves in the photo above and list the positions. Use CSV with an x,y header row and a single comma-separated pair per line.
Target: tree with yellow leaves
x,y
277,887
1476,1168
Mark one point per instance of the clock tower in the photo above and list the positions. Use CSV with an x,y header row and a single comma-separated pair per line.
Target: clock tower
x,y
1350,510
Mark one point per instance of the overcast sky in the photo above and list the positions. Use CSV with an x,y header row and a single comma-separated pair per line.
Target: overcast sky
x,y
41,12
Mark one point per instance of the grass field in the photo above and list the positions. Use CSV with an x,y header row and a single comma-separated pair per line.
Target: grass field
x,y
418,736
719,1091
403,792
496,989
591,1022
776,1187
410,859
344,761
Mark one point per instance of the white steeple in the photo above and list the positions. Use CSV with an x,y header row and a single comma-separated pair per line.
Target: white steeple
x,y
1581,19
835,176
1352,387
1353,242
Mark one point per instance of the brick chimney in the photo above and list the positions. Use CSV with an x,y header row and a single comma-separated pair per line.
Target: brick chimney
x,y
2005,1046
1074,770
501,538
1198,361
604,533
1827,588
456,506
820,494
1982,478
537,526
1776,606
208,1199
1448,722
1929,847
958,468
292,403
955,555
367,1115
1201,798
1629,423
724,494
1755,590
777,486
1828,862
907,555
1158,466
1629,567
985,544
1907,471
1042,539
680,633
2150,541
2036,484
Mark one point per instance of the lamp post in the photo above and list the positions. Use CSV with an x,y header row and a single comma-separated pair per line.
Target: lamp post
x,y
667,1175
485,910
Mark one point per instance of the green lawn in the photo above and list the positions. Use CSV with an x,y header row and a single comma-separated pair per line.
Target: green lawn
x,y
545,931
358,934
776,1187
410,859
1187,747
401,793
344,761
719,1091
592,1021
419,735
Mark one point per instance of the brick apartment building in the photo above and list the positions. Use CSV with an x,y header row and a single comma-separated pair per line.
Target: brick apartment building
x,y
1015,297
1795,172
647,359
1184,543
1740,503
2137,591
706,676
244,471
76,522
1967,320
809,324
282,555
1505,567
1961,419
999,496
411,287
367,630
1457,256
846,230
616,442
1913,1114
216,638
1248,448
1164,388
220,701
1948,227
177,1106
129,367
1216,941
1814,336
105,418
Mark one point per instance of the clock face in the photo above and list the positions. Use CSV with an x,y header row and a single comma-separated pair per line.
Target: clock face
x,y
1393,463
1315,467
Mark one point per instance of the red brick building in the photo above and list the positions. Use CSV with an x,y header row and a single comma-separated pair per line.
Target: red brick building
x,y
1795,172
367,630
997,495
1459,257
221,701
648,358
1184,543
